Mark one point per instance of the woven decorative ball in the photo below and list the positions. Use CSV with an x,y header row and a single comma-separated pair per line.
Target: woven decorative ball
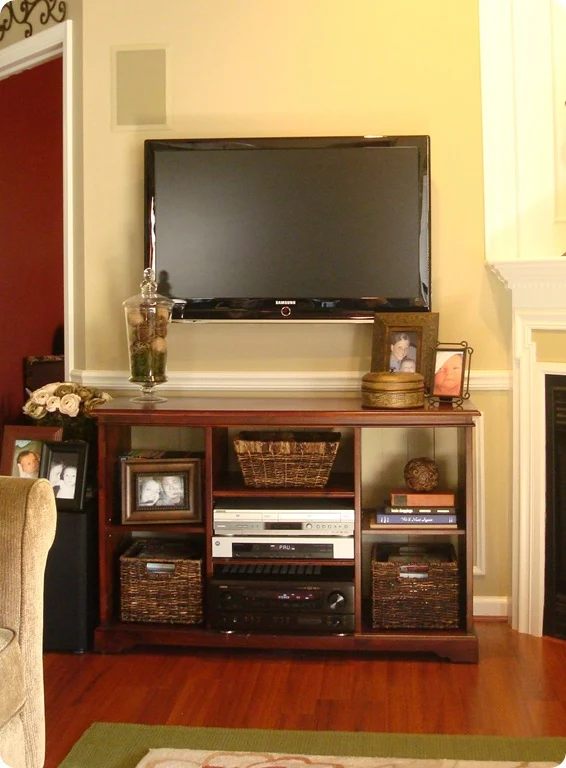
x,y
421,474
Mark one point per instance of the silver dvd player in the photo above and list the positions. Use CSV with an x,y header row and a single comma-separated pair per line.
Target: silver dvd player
x,y
312,548
284,520
281,524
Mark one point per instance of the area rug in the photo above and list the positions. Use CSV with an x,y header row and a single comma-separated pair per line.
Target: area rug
x,y
193,758
117,745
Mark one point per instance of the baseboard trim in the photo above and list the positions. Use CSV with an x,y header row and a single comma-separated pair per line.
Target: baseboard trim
x,y
493,607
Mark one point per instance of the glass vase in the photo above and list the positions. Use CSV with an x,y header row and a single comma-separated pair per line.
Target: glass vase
x,y
147,320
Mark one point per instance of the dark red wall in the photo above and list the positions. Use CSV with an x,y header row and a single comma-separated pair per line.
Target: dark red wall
x,y
31,224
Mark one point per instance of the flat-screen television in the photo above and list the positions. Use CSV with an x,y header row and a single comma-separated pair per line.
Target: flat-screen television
x,y
319,228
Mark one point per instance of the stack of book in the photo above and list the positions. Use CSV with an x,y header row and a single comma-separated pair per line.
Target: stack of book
x,y
408,509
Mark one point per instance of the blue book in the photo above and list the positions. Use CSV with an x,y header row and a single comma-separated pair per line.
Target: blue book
x,y
421,518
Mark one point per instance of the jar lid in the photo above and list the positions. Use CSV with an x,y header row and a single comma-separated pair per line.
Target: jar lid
x,y
148,296
390,377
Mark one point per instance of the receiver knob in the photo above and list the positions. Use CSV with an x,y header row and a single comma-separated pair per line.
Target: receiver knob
x,y
336,599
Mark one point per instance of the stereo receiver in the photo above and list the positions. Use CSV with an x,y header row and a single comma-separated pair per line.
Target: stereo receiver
x,y
282,601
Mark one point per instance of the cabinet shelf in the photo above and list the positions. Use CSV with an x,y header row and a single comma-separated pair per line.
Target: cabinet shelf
x,y
159,530
360,481
413,530
340,485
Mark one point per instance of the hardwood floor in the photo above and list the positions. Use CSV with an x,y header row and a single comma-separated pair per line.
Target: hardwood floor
x,y
517,689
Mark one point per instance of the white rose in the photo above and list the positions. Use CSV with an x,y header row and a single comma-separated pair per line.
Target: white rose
x,y
69,404
52,404
34,410
40,396
51,387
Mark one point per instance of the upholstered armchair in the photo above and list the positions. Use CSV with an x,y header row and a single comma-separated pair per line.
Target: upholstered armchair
x,y
28,518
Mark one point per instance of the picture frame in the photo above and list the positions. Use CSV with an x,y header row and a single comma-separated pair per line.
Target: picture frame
x,y
22,438
451,372
65,466
161,491
418,332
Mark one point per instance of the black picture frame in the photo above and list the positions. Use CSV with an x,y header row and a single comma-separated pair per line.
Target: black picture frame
x,y
145,484
65,466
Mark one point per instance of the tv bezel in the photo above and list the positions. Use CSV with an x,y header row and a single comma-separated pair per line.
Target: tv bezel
x,y
288,308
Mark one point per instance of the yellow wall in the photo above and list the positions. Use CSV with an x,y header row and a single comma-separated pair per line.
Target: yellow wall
x,y
550,346
286,67
291,67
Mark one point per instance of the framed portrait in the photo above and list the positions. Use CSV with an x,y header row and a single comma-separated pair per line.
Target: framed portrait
x,y
158,491
64,465
450,380
22,449
405,342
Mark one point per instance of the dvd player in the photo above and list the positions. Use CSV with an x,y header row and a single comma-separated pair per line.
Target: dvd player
x,y
315,548
284,519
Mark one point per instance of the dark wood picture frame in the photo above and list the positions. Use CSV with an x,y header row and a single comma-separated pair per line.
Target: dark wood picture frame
x,y
451,372
145,484
421,328
18,438
59,460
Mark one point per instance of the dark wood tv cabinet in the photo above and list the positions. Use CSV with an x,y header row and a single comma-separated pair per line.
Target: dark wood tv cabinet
x,y
374,448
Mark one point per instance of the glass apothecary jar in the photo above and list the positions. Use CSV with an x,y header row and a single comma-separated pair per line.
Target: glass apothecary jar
x,y
147,320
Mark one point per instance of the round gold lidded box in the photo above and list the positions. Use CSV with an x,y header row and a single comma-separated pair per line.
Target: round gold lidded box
x,y
386,389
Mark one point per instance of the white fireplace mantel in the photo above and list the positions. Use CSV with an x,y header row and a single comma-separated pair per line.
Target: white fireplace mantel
x,y
539,303
523,64
534,284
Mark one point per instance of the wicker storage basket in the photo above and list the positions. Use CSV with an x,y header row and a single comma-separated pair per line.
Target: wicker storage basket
x,y
286,459
160,582
414,590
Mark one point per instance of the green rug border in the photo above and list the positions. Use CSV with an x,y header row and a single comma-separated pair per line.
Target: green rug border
x,y
122,745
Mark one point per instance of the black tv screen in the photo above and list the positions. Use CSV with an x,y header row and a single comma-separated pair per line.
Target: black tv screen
x,y
289,228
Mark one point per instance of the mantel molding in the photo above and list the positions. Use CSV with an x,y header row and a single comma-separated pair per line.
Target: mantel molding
x,y
535,283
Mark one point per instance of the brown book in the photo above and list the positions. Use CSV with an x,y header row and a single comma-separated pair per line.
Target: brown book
x,y
404,497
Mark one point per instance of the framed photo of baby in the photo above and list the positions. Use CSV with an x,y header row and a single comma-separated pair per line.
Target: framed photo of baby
x,y
451,372
161,491
404,342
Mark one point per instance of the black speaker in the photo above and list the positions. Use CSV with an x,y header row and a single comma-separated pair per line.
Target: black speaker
x,y
71,583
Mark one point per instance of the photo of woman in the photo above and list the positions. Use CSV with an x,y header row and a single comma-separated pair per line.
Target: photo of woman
x,y
403,356
63,475
149,492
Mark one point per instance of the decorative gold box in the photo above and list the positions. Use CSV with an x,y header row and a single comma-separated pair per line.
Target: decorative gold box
x,y
384,389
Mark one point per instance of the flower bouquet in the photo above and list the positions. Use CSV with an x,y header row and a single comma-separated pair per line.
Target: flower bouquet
x,y
68,405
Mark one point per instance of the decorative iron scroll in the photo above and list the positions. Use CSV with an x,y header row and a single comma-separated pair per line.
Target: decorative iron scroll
x,y
19,12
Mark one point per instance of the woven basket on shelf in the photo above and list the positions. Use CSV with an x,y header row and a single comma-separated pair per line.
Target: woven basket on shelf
x,y
421,593
160,582
286,460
